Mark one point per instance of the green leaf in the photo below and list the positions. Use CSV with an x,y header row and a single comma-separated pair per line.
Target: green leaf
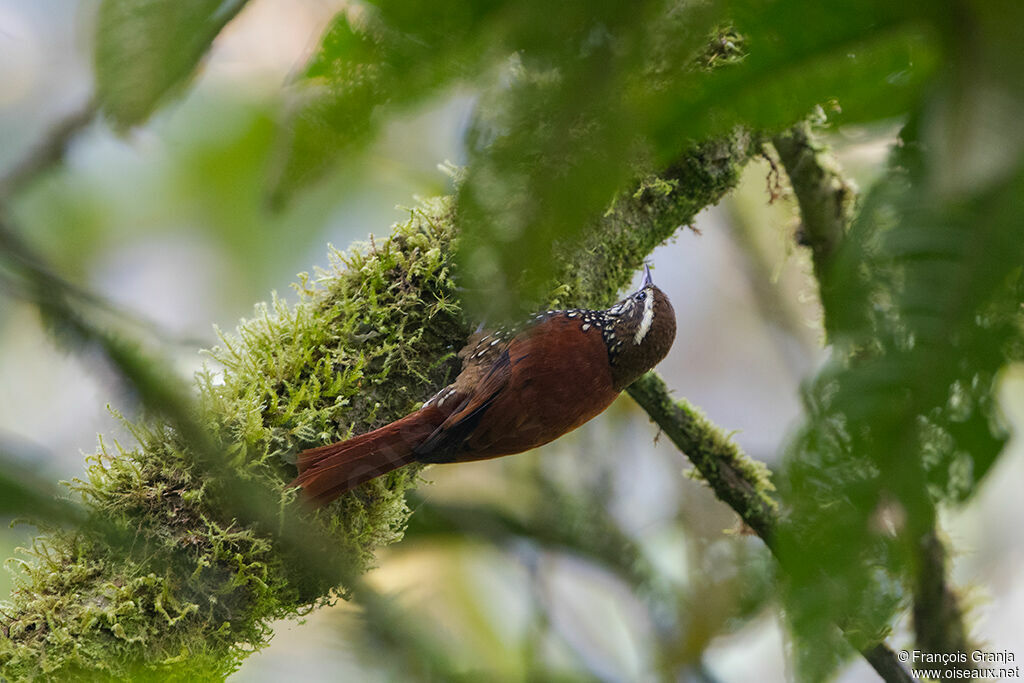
x,y
370,64
862,63
144,48
922,306
903,419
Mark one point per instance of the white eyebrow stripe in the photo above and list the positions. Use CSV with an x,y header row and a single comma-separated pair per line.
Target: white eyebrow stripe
x,y
645,322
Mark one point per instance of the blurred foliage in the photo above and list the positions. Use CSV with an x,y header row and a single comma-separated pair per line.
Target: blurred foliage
x,y
923,309
575,103
146,48
204,188
578,98
922,306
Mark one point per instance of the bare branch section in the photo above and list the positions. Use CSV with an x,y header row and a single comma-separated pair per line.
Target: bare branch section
x,y
740,482
938,620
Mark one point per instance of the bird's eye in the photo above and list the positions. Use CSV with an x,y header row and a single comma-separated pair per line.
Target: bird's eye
x,y
639,296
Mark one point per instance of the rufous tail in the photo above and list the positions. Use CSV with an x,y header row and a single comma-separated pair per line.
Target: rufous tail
x,y
328,471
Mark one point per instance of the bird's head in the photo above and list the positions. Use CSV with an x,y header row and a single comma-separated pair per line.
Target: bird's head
x,y
639,332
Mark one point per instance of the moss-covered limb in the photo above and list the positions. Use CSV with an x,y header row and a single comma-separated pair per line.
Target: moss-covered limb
x,y
594,272
825,195
193,591
740,482
368,340
938,620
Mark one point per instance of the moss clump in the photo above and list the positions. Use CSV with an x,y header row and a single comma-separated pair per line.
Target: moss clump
x,y
192,588
192,591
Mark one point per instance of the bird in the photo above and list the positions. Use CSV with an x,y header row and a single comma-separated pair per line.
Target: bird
x,y
520,387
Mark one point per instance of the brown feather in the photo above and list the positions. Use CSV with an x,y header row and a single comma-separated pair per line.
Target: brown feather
x,y
328,471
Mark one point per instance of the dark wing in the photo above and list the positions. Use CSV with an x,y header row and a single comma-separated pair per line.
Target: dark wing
x,y
447,440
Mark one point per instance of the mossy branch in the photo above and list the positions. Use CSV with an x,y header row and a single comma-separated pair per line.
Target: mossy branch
x,y
826,196
204,572
740,482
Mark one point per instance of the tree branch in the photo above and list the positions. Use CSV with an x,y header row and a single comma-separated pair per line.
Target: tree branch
x,y
825,195
738,481
205,572
938,620
48,152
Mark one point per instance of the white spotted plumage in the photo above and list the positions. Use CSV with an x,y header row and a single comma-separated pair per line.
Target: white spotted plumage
x,y
440,397
607,322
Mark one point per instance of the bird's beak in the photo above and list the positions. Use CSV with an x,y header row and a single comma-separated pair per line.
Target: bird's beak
x,y
647,278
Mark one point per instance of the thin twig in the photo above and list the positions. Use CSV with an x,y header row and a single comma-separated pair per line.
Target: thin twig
x,y
48,152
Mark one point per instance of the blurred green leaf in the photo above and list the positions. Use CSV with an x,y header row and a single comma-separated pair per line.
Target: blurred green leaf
x,y
372,62
860,61
922,306
144,48
550,152
565,155
902,418
579,99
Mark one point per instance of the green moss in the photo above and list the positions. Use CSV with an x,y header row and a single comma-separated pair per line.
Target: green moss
x,y
190,591
594,272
